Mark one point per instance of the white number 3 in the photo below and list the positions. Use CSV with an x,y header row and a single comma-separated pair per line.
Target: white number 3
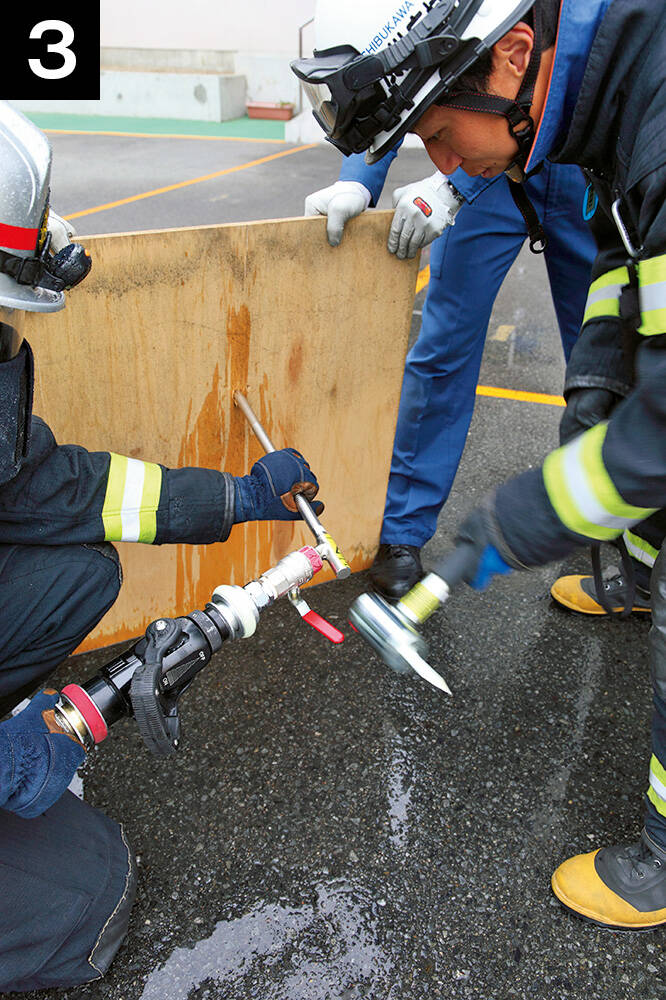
x,y
61,48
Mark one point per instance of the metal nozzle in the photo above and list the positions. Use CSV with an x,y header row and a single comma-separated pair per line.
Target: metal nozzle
x,y
393,637
72,722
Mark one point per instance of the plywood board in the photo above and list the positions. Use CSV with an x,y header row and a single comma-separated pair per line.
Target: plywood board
x,y
146,357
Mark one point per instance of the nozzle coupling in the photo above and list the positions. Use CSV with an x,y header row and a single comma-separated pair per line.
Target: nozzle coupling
x,y
241,606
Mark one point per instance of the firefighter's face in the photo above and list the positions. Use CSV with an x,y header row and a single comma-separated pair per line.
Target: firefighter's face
x,y
480,143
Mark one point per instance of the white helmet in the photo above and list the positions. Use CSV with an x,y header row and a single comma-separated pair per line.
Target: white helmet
x,y
380,64
31,277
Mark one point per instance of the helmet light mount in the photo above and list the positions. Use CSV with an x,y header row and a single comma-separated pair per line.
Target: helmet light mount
x,y
56,272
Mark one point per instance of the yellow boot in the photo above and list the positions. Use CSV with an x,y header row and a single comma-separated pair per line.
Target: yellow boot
x,y
578,593
616,887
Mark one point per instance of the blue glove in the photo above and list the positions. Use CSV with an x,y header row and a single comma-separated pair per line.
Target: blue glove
x,y
267,494
37,762
489,563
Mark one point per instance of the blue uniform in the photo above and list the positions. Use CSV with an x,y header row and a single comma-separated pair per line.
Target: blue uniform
x,y
467,266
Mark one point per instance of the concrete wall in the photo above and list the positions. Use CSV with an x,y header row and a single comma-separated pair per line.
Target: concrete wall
x,y
263,35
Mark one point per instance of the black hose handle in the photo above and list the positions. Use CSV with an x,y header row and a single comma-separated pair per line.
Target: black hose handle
x,y
458,566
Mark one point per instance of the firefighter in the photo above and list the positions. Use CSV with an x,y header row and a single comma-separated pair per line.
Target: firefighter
x,y
68,869
476,84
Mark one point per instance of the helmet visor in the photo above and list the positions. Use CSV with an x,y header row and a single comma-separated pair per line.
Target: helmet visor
x,y
322,80
323,106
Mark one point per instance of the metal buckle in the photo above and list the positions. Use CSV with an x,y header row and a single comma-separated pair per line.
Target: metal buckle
x,y
633,252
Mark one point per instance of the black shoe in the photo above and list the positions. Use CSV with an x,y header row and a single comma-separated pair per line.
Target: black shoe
x,y
395,570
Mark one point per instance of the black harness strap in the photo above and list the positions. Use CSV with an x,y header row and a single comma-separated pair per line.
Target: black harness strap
x,y
516,112
629,575
535,231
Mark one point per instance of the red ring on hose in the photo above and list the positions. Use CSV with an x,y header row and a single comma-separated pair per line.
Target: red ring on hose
x,y
92,716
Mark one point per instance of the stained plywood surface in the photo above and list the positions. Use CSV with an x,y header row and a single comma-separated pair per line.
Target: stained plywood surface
x,y
146,357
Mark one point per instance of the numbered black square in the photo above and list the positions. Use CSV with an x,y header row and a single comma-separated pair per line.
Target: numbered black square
x,y
51,51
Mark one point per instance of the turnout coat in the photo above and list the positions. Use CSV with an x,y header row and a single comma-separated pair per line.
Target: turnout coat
x,y
606,112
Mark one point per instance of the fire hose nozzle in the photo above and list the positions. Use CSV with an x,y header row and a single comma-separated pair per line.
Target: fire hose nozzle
x,y
393,632
394,637
148,679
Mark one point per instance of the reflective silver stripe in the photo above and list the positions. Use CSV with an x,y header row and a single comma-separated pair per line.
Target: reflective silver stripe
x,y
653,297
604,295
658,786
579,487
657,790
601,294
641,550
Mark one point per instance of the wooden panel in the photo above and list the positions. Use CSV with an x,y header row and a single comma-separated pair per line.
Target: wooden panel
x,y
146,356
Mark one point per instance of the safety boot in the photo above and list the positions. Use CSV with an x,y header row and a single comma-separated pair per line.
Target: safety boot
x,y
578,593
395,570
621,888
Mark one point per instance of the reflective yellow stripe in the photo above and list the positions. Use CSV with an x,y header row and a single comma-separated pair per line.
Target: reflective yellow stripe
x,y
652,286
150,501
603,298
657,790
582,493
132,498
113,501
640,549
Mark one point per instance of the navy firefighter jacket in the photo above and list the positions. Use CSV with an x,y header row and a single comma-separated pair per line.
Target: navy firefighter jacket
x,y
53,494
606,112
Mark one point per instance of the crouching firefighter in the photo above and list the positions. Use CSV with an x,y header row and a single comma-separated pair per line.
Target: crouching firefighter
x,y
67,873
473,80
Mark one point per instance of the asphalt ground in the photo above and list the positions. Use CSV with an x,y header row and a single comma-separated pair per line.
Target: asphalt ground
x,y
330,830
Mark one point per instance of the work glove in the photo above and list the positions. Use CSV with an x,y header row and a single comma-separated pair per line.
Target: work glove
x,y
267,494
423,210
61,231
37,760
485,559
340,202
586,407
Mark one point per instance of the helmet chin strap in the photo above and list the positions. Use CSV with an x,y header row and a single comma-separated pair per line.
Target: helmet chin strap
x,y
522,129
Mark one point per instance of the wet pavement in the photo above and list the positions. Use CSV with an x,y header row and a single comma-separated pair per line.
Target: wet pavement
x,y
332,831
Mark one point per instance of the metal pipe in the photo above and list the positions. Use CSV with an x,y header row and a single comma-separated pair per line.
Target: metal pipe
x,y
333,555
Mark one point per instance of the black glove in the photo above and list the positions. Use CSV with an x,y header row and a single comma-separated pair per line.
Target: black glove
x,y
586,407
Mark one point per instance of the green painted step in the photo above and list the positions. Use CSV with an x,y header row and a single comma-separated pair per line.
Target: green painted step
x,y
239,128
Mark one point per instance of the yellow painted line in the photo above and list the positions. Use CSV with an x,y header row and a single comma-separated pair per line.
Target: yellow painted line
x,y
503,332
195,180
423,279
519,396
162,135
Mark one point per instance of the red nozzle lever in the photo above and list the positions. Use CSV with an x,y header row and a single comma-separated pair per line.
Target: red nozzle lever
x,y
318,623
325,628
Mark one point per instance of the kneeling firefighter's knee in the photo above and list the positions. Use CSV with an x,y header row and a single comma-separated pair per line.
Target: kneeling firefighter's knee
x,y
71,876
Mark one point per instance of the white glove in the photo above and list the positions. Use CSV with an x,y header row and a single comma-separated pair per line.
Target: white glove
x,y
423,210
341,202
61,231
